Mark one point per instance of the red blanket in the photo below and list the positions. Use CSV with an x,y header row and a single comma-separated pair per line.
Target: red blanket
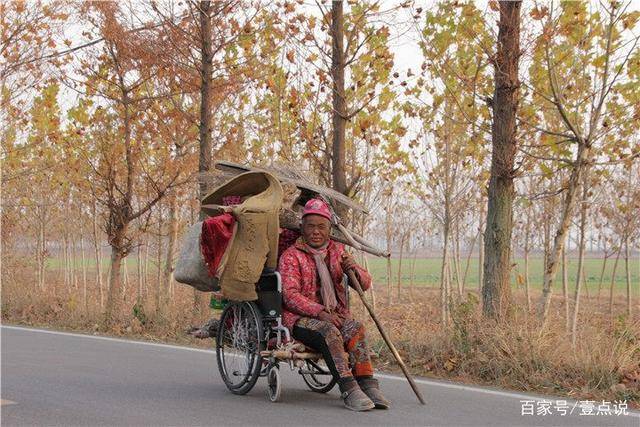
x,y
216,234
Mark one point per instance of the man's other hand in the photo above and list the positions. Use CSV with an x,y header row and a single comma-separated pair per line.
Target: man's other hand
x,y
347,262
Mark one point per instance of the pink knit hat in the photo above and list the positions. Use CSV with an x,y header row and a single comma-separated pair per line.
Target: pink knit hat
x,y
317,207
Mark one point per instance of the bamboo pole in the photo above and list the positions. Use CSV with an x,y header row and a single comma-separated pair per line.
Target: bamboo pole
x,y
396,355
385,337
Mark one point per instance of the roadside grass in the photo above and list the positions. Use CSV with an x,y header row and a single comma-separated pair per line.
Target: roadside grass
x,y
515,354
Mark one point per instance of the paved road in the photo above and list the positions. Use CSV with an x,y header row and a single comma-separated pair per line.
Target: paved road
x,y
55,378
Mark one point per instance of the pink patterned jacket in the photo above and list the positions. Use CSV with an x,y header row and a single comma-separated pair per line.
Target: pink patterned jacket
x,y
300,283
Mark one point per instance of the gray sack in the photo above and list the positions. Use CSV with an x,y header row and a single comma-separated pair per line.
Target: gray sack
x,y
190,267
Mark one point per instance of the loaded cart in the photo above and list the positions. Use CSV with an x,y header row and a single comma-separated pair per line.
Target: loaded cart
x,y
252,342
252,217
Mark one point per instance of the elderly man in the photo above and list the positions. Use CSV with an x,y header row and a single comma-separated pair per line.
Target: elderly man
x,y
315,307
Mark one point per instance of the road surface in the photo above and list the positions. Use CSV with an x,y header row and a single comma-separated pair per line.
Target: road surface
x,y
58,378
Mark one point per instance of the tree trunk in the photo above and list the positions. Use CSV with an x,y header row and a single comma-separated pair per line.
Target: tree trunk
x,y
447,290
36,253
85,302
565,289
173,236
481,251
468,262
197,303
388,236
497,265
456,259
125,280
96,247
604,266
527,290
561,234
371,289
159,287
628,274
41,247
145,271
584,280
581,247
43,255
613,280
206,70
402,239
65,258
339,113
120,210
389,273
546,225
527,249
413,273
444,297
74,261
67,264
139,274
112,310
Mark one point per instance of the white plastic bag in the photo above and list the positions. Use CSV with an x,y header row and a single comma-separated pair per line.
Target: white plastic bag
x,y
190,267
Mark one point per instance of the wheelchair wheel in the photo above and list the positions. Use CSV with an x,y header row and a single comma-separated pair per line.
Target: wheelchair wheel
x,y
274,388
317,376
238,346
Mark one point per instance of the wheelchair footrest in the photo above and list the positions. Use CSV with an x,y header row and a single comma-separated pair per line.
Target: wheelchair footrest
x,y
290,354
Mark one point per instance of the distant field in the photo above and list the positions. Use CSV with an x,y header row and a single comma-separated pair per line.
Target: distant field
x,y
131,261
427,272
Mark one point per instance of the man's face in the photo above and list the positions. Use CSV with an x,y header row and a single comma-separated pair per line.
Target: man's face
x,y
315,230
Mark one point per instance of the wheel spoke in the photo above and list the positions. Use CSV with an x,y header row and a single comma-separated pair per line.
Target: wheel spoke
x,y
238,349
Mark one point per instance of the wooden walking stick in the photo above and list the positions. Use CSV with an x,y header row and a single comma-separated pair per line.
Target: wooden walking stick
x,y
356,284
358,288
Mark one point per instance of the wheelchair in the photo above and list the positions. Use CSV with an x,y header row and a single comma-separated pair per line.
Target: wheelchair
x,y
252,342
